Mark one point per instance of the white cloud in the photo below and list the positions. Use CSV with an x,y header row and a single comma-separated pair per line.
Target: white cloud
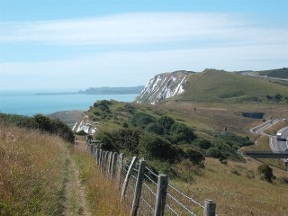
x,y
134,68
137,28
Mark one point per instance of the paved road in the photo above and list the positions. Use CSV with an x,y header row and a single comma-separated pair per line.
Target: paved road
x,y
280,145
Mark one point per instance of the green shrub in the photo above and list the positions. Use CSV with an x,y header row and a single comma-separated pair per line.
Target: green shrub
x,y
155,127
202,143
166,122
213,152
180,133
266,172
196,157
142,119
154,147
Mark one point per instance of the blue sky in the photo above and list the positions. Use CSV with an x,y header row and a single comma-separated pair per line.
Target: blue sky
x,y
76,44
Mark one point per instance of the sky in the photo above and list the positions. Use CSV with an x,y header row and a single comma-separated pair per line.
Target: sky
x,y
77,44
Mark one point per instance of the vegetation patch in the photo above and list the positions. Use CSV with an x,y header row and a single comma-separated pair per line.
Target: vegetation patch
x,y
33,172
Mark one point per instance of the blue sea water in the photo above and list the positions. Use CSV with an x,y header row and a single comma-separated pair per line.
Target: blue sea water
x,y
30,103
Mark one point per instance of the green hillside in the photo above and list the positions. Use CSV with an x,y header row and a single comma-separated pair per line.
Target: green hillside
x,y
220,86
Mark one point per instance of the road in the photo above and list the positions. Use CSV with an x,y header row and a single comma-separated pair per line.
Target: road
x,y
275,145
280,145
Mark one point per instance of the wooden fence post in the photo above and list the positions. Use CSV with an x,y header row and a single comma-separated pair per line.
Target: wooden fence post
x,y
100,157
138,189
119,171
209,208
161,195
109,161
113,164
125,184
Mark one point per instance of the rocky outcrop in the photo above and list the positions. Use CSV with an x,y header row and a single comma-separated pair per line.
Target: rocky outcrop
x,y
163,86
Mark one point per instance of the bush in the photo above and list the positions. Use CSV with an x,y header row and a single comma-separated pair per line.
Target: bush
x,y
155,128
153,147
182,133
213,152
142,119
196,157
266,172
166,122
202,143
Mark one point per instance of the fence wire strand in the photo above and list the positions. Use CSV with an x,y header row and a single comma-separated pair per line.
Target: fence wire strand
x,y
175,198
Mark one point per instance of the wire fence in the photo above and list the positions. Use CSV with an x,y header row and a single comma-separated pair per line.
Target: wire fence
x,y
146,192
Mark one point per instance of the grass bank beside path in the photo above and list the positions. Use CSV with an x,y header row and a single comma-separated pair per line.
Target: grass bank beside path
x,y
33,173
103,195
42,175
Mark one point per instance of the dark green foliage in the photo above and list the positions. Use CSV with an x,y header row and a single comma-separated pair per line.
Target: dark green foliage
x,y
276,98
278,73
195,156
154,147
124,139
235,140
155,127
266,172
17,120
40,122
213,152
96,113
182,133
103,105
107,141
61,129
202,143
166,122
44,123
142,119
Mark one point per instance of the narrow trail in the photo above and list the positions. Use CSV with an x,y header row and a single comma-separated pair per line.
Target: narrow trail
x,y
74,193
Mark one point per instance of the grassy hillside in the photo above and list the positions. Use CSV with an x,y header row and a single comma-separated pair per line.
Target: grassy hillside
x,y
43,175
221,86
236,187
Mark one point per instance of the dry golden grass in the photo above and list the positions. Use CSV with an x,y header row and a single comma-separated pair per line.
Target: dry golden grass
x,y
237,189
102,193
32,172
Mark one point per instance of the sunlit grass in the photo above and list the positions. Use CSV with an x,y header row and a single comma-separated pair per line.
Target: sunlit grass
x,y
237,189
102,193
32,172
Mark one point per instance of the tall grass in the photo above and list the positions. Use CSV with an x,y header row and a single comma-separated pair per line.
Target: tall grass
x,y
32,174
103,195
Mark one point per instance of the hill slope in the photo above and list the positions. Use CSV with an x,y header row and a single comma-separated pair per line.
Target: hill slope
x,y
213,86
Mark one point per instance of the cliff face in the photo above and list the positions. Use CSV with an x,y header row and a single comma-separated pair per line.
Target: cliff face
x,y
163,86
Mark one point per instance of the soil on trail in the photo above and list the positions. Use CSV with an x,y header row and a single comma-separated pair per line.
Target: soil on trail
x,y
75,201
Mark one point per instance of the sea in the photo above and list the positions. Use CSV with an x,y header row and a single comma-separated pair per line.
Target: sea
x,y
30,103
